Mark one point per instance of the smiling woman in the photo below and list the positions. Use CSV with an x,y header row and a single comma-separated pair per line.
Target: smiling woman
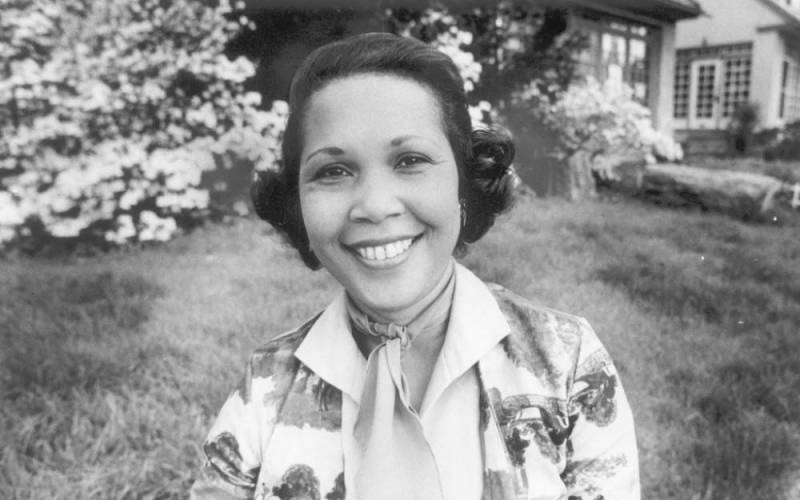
x,y
389,183
418,380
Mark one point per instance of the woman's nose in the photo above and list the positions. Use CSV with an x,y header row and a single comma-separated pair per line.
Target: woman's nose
x,y
376,198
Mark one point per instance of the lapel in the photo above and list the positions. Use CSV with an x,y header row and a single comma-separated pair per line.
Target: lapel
x,y
526,419
504,477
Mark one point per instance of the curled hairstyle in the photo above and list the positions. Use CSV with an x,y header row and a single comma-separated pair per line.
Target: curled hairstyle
x,y
483,157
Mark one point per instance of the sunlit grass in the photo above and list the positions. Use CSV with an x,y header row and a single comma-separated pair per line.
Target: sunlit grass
x,y
113,368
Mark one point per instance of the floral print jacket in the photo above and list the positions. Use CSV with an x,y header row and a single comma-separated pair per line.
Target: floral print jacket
x,y
554,419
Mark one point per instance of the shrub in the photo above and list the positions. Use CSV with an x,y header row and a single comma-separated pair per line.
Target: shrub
x,y
597,118
786,145
571,128
112,113
742,126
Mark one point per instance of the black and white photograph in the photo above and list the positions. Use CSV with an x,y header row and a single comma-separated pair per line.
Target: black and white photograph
x,y
400,249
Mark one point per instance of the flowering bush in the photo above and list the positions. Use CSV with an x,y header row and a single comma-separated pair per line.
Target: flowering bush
x,y
598,118
111,112
582,132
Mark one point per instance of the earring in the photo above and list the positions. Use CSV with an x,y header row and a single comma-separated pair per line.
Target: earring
x,y
463,206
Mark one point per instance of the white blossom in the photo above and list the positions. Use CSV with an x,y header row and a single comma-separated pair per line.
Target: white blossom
x,y
124,232
155,228
10,213
67,227
600,118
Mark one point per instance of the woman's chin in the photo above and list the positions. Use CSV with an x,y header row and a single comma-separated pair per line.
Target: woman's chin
x,y
386,306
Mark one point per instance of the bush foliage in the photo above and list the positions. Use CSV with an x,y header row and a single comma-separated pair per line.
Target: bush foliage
x,y
785,145
110,112
596,118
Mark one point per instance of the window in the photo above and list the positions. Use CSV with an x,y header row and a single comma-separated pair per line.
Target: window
x,y
790,92
637,64
615,56
618,51
681,90
706,83
729,86
736,87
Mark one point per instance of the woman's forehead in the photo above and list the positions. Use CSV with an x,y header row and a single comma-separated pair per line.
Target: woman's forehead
x,y
372,105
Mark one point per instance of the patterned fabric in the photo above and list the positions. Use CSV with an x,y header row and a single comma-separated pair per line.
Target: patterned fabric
x,y
554,419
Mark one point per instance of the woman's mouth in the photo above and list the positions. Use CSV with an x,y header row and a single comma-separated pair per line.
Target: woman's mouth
x,y
385,253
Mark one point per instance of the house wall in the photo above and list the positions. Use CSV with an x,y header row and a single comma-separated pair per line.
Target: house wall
x,y
662,74
725,22
765,85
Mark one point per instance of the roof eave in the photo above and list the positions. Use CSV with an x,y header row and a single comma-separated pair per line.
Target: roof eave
x,y
682,10
790,18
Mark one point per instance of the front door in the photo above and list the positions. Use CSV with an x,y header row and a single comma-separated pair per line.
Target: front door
x,y
704,105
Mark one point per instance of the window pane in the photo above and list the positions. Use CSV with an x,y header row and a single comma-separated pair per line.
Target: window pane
x,y
615,56
681,90
706,80
587,59
736,89
638,68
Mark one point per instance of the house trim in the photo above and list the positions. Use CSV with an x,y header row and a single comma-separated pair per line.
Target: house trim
x,y
771,27
653,21
712,48
787,16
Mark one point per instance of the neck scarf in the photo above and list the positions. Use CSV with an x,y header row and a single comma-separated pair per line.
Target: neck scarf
x,y
396,462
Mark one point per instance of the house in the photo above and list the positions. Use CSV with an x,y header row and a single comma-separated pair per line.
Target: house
x,y
631,41
740,51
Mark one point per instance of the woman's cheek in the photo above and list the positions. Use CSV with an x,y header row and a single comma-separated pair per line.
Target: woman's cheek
x,y
441,199
318,210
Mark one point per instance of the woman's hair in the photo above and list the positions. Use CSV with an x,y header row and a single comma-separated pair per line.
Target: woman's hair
x,y
483,157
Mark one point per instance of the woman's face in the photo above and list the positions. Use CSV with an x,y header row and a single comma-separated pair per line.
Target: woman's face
x,y
379,190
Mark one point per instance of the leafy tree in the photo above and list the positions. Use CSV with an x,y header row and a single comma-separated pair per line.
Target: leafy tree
x,y
514,42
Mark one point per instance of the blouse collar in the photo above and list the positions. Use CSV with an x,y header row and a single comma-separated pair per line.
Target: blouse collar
x,y
476,325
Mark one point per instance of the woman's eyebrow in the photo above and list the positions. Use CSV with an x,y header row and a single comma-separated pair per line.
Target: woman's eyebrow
x,y
331,150
397,141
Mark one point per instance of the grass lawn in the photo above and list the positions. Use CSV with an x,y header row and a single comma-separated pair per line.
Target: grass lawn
x,y
113,367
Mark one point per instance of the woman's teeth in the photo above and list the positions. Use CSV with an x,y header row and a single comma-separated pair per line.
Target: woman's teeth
x,y
384,252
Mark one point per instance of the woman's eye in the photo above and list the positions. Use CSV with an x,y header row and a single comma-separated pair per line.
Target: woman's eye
x,y
409,161
331,173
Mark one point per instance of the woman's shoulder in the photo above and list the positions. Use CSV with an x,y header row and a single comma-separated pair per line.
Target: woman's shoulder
x,y
543,336
532,317
275,360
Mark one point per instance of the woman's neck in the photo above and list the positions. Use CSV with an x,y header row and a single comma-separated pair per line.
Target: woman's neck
x,y
425,331
409,314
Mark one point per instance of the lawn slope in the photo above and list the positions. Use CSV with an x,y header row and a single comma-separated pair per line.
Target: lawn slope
x,y
113,367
